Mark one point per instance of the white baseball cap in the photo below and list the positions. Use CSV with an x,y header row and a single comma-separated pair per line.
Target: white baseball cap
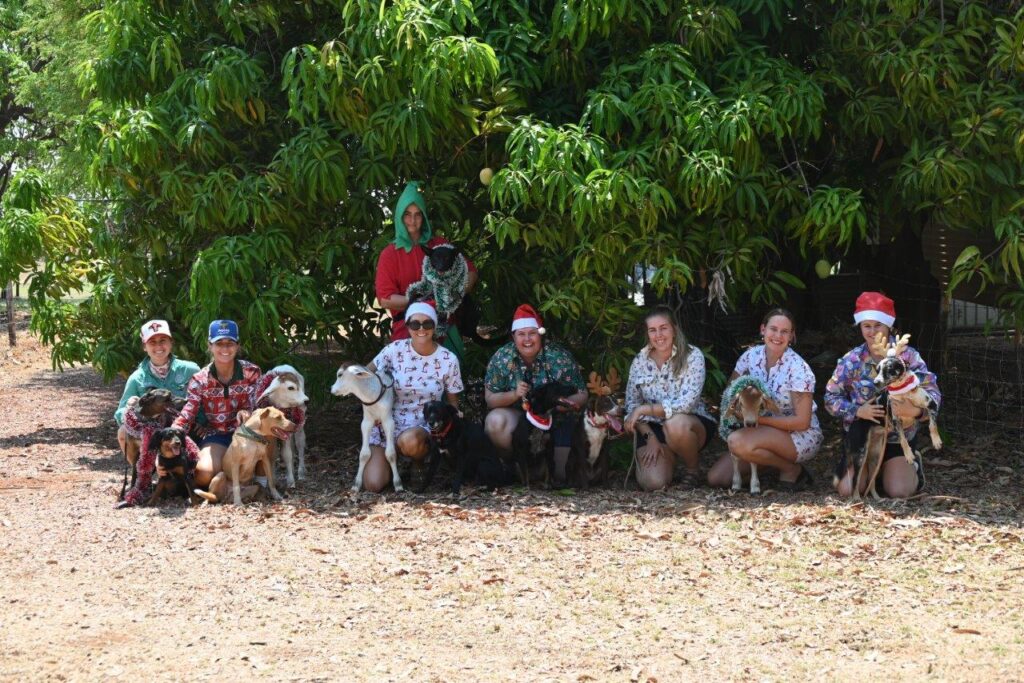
x,y
153,328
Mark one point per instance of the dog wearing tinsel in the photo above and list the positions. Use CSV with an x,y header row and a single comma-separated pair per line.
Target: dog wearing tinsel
x,y
445,273
743,402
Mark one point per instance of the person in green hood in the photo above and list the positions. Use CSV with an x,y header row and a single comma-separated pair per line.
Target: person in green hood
x,y
401,263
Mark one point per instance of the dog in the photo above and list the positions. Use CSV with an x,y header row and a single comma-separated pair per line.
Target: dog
x,y
250,445
532,449
445,272
868,462
461,442
155,409
285,389
743,402
902,387
588,457
169,444
377,395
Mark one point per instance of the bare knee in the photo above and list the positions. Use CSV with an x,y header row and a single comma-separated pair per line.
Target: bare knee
x,y
900,489
739,444
413,443
498,427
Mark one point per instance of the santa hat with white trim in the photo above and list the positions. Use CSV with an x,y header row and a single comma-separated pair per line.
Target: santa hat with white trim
x,y
874,306
525,316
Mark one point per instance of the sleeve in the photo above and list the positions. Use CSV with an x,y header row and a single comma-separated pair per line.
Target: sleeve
x,y
838,400
133,387
743,364
686,388
193,404
453,376
497,378
253,374
386,279
801,377
572,373
929,381
383,360
634,397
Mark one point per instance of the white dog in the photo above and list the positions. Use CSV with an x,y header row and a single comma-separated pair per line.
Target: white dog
x,y
284,388
377,396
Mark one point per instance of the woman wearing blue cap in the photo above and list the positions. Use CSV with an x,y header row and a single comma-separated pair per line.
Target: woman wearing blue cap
x,y
215,395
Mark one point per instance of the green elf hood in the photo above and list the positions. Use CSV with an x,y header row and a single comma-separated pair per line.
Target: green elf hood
x,y
411,195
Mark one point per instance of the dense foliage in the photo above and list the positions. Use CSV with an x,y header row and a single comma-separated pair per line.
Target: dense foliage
x,y
247,154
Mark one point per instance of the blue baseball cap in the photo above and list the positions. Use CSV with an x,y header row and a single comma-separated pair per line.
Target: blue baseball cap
x,y
223,329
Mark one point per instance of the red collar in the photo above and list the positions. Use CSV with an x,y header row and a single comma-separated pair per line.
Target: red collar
x,y
906,385
444,432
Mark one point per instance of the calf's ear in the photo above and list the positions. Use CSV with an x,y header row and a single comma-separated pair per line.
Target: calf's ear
x,y
772,406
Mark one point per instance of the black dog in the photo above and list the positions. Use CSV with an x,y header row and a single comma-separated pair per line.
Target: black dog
x,y
170,444
460,442
467,315
532,448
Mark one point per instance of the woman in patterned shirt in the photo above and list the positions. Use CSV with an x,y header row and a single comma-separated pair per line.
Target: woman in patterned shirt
x,y
850,392
663,400
215,397
784,441
422,371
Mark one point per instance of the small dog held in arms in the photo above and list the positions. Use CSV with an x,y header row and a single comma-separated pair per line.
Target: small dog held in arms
x,y
532,449
377,395
460,442
154,410
284,388
903,387
602,418
743,402
445,273
170,446
250,445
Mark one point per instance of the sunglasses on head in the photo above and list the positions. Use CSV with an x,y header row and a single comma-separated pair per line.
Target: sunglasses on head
x,y
417,324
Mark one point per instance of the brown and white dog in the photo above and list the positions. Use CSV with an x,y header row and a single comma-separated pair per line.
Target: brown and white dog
x,y
250,445
602,417
744,401
155,409
286,391
903,387
377,395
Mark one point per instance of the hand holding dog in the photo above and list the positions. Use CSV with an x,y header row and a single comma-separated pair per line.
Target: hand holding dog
x,y
630,422
871,411
906,411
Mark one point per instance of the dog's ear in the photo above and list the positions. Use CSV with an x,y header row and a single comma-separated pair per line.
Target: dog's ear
x,y
772,406
429,251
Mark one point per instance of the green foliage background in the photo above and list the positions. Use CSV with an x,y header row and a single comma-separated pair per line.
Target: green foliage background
x,y
234,158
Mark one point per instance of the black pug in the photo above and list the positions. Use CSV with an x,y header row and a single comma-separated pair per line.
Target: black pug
x,y
170,446
456,440
467,314
532,448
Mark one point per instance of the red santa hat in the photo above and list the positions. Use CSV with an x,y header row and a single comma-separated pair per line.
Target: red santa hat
x,y
525,316
874,306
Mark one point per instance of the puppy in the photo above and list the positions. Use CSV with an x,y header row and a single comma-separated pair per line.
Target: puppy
x,y
377,395
903,387
154,409
744,401
250,445
532,449
286,390
460,442
169,444
445,272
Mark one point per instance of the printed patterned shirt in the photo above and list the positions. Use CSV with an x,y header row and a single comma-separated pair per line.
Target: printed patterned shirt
x,y
418,380
219,403
507,368
650,384
853,384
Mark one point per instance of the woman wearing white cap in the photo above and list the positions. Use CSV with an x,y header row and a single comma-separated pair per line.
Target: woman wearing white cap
x,y
161,370
422,371
850,392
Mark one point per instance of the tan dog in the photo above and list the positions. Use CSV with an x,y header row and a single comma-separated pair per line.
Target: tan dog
x,y
251,444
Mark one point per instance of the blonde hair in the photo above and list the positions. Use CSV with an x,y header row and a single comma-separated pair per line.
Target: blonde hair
x,y
679,343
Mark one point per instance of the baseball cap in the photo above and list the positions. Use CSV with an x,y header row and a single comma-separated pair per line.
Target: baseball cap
x,y
223,329
153,328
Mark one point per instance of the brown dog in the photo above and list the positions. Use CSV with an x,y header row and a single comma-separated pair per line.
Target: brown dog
x,y
156,407
170,444
252,443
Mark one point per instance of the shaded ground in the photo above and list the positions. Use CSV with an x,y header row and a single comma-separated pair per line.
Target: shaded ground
x,y
611,585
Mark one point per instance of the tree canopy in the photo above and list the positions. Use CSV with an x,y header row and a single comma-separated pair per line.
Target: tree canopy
x,y
240,158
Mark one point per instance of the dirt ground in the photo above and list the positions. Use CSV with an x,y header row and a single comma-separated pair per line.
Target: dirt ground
x,y
510,585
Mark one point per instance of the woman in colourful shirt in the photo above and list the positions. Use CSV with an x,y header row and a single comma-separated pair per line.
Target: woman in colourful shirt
x,y
850,395
783,441
663,401
215,397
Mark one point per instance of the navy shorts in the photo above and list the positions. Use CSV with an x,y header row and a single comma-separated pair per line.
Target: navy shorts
x,y
217,438
710,429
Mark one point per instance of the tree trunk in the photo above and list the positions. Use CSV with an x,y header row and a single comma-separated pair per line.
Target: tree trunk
x,y
11,336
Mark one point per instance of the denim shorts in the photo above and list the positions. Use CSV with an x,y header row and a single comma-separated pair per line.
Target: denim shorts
x,y
218,439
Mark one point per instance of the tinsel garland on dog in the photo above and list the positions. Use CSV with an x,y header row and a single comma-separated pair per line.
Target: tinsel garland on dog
x,y
727,420
446,289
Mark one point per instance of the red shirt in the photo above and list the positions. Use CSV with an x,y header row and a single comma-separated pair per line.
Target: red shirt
x,y
396,270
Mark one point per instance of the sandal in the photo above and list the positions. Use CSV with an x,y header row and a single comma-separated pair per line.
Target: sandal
x,y
803,482
689,479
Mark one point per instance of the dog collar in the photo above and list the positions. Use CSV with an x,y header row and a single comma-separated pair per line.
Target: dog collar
x,y
247,433
906,386
442,432
538,421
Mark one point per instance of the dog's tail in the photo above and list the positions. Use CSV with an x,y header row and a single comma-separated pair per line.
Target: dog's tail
x,y
205,495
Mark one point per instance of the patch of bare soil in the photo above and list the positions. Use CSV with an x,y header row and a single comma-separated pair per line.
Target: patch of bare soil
x,y
509,585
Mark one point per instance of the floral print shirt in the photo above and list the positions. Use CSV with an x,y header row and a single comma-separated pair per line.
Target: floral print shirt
x,y
650,384
853,383
506,368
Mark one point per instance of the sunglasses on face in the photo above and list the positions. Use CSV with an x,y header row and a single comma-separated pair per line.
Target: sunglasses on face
x,y
417,324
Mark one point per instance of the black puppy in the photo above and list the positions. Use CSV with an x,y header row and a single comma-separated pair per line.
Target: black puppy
x,y
532,448
443,258
170,444
460,442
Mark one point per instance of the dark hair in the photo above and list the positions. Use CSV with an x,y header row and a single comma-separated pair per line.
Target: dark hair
x,y
679,343
785,313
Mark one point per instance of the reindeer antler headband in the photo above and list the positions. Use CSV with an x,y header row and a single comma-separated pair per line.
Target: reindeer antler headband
x,y
598,386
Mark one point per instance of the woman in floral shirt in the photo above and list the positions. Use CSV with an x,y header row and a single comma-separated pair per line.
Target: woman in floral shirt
x,y
783,441
850,392
663,401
